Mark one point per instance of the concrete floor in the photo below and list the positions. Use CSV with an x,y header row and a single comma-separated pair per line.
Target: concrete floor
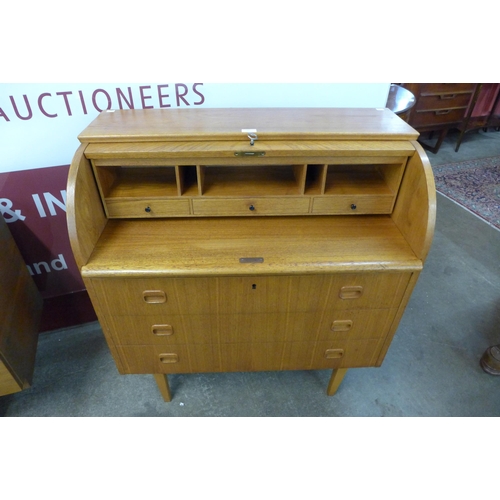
x,y
431,369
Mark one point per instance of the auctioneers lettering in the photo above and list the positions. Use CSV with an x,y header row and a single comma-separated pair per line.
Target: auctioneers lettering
x,y
140,97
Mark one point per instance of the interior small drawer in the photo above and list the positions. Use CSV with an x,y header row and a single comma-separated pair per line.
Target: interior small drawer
x,y
367,290
251,206
353,204
146,208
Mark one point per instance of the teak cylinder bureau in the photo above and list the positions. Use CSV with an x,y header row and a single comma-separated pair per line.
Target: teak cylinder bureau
x,y
219,240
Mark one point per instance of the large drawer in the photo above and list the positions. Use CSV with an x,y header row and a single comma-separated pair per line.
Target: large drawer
x,y
249,294
173,329
257,356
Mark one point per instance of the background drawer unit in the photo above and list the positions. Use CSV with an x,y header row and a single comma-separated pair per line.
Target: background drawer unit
x,y
443,101
439,104
437,117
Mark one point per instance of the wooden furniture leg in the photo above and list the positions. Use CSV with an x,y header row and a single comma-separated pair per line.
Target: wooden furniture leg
x,y
162,382
335,380
434,149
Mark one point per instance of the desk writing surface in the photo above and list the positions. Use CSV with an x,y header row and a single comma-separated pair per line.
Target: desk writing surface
x,y
182,247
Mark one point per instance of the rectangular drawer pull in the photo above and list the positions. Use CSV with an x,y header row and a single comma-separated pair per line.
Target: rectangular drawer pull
x,y
168,358
161,330
351,292
334,353
154,296
341,325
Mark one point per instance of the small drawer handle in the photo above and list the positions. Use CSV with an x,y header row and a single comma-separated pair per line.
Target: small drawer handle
x,y
334,353
162,330
169,358
341,325
445,97
443,112
154,296
351,292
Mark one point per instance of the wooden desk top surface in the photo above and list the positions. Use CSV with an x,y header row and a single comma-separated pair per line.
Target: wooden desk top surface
x,y
202,124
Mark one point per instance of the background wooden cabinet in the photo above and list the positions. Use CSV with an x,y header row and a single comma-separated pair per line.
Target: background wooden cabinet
x,y
439,107
21,310
444,106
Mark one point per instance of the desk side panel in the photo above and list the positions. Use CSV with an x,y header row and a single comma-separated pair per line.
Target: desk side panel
x,y
85,214
415,210
415,216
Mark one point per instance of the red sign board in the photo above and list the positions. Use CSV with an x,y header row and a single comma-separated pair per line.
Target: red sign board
x,y
33,203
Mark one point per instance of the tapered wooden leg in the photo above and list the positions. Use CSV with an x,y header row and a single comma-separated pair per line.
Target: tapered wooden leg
x,y
335,380
162,382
